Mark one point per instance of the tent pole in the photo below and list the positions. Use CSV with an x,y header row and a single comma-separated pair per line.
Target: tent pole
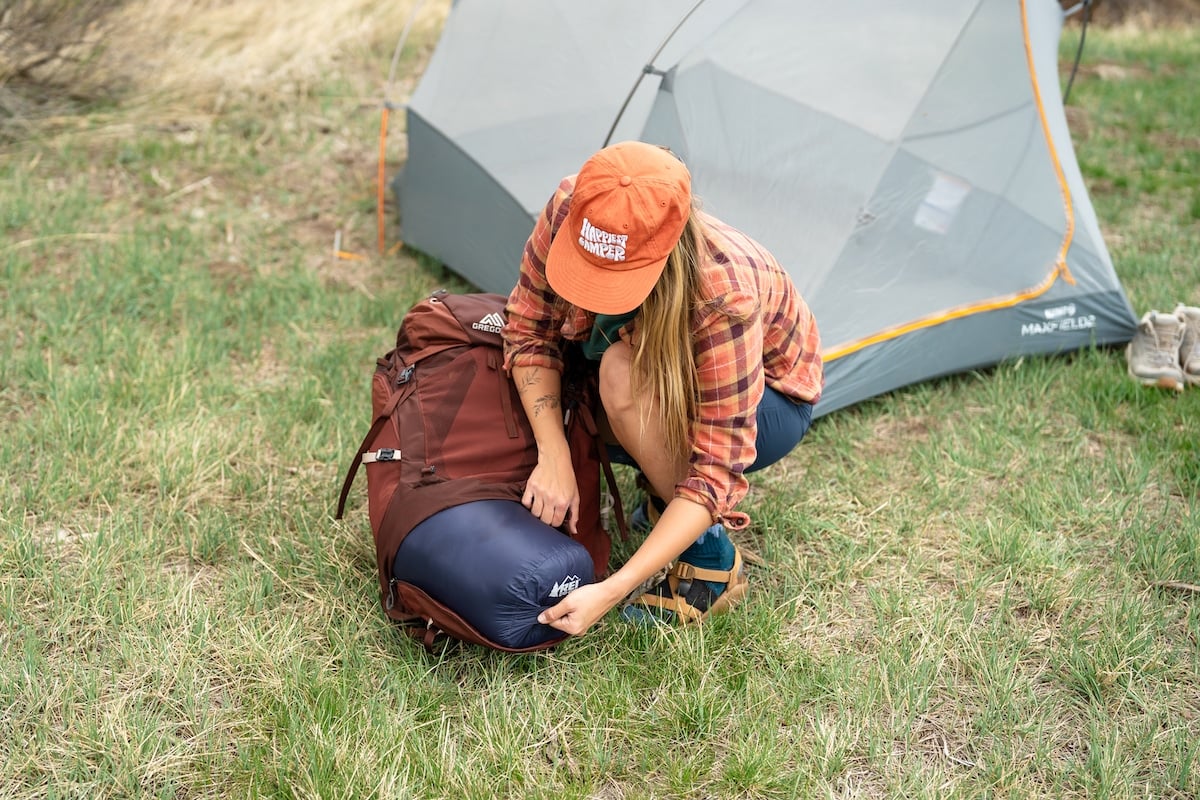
x,y
1086,5
649,69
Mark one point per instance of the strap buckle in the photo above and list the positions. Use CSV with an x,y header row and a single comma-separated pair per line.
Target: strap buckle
x,y
382,454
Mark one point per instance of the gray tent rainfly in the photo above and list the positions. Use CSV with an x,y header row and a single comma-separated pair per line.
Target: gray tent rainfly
x,y
909,163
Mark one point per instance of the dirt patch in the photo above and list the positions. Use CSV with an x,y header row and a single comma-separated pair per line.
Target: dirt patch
x,y
1148,13
1113,72
892,436
943,743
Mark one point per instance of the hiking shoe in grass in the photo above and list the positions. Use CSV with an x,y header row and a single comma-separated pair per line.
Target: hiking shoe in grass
x,y
645,516
1153,354
639,520
1189,346
691,592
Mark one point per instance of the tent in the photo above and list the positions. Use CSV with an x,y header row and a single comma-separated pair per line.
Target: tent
x,y
909,163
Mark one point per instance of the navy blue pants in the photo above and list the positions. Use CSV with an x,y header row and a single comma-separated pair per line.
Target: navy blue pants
x,y
782,423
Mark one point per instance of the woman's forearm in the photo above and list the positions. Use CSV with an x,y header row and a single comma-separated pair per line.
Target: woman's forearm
x,y
540,390
551,493
680,524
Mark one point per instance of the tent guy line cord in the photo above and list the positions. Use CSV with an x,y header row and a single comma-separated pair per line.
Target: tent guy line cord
x,y
647,70
380,179
1086,5
391,78
388,105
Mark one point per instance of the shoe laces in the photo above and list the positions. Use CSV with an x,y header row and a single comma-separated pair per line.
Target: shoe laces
x,y
1190,331
1163,353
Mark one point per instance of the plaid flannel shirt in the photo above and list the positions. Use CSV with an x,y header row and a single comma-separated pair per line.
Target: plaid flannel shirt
x,y
751,328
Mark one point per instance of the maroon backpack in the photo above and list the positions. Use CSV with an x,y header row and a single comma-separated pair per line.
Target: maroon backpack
x,y
448,428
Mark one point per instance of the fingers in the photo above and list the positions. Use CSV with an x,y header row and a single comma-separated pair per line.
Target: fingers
x,y
551,615
556,616
560,617
572,515
578,611
553,514
550,514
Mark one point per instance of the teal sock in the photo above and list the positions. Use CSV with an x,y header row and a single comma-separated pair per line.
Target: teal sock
x,y
713,550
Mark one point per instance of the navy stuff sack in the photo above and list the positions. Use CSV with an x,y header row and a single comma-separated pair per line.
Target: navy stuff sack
x,y
497,566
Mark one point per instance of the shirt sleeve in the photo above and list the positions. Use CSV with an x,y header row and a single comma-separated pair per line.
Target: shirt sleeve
x,y
532,336
729,362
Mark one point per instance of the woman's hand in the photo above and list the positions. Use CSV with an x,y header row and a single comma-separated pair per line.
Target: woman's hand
x,y
579,610
551,494
679,525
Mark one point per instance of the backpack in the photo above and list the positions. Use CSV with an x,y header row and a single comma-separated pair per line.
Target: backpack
x,y
448,429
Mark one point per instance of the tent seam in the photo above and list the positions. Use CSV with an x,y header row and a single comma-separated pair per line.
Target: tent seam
x,y
1068,208
1060,264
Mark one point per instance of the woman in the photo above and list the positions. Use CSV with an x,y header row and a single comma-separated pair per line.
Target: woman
x,y
708,364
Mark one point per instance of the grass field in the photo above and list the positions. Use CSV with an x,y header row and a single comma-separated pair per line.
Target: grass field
x,y
983,586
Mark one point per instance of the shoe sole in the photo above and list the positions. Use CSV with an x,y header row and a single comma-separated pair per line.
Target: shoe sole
x,y
1164,381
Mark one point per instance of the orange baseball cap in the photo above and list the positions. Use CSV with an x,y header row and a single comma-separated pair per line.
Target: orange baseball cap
x,y
629,208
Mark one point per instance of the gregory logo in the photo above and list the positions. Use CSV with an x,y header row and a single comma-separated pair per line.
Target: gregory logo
x,y
492,323
569,584
601,243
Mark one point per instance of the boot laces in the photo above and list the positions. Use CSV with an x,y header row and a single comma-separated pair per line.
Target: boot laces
x,y
1165,351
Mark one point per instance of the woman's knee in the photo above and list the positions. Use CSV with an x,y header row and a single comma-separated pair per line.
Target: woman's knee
x,y
615,392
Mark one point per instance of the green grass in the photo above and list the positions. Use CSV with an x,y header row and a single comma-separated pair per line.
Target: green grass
x,y
981,586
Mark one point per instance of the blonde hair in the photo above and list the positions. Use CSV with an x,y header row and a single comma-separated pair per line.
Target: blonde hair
x,y
664,363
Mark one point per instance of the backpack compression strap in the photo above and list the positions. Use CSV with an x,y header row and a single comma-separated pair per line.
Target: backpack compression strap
x,y
363,449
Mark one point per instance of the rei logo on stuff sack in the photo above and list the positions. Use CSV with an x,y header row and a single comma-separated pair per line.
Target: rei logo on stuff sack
x,y
568,584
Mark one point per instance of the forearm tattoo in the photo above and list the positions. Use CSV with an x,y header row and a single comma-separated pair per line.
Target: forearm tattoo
x,y
547,402
529,379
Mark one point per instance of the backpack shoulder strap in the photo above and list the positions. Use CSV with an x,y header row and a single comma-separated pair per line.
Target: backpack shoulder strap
x,y
588,422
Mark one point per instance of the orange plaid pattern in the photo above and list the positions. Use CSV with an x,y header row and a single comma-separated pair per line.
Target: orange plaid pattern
x,y
751,329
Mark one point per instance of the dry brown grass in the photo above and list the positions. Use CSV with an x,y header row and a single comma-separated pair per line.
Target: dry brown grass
x,y
1142,13
210,48
223,86
175,56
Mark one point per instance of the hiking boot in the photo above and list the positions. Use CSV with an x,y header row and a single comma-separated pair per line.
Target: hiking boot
x,y
708,578
643,518
1153,355
646,515
1189,347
